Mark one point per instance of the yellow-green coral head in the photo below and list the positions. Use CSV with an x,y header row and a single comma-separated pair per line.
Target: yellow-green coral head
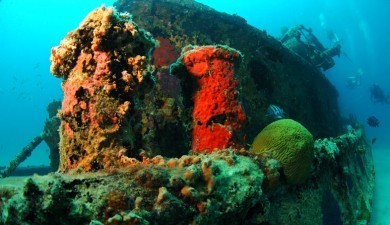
x,y
290,143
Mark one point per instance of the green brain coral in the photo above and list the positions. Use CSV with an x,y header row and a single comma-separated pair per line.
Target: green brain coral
x,y
289,142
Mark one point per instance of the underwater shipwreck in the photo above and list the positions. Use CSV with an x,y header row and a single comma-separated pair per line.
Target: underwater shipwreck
x,y
163,121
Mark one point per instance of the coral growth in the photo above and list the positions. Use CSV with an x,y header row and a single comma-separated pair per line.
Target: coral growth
x,y
103,62
223,187
217,188
292,144
218,117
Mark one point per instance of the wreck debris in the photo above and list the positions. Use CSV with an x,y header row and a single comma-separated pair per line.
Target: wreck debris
x,y
304,43
52,135
230,186
268,74
49,135
222,187
23,155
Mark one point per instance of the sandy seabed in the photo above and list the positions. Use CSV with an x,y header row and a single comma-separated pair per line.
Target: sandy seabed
x,y
381,207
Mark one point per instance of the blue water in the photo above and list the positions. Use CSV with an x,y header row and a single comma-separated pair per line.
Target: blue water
x,y
28,30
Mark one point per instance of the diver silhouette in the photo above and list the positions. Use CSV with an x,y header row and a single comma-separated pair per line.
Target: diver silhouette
x,y
355,80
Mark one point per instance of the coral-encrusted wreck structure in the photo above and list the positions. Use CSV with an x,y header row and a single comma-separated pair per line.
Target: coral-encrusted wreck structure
x,y
103,66
141,146
218,117
268,74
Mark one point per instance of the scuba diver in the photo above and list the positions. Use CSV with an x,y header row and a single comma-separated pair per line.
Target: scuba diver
x,y
354,81
378,95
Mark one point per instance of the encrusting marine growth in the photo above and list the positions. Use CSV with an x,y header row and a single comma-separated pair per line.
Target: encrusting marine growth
x,y
218,117
103,64
125,136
